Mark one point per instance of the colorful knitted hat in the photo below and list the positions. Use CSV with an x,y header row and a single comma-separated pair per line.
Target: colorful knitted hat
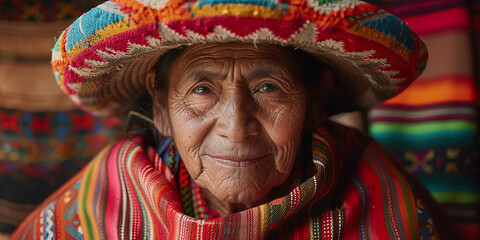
x,y
101,60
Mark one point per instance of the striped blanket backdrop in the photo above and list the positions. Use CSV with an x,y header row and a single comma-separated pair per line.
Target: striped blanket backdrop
x,y
432,127
44,138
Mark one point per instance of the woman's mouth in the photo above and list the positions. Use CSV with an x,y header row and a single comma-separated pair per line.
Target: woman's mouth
x,y
237,161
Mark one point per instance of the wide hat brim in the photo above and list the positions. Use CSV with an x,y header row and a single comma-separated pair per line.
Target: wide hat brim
x,y
101,60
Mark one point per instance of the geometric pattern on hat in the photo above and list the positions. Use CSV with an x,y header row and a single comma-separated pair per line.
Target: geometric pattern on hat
x,y
101,60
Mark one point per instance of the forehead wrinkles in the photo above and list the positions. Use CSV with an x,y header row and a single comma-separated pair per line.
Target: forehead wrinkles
x,y
234,50
268,57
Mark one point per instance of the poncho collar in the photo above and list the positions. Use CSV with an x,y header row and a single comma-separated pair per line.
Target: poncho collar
x,y
126,192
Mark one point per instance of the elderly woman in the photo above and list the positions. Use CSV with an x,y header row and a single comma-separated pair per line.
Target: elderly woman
x,y
227,103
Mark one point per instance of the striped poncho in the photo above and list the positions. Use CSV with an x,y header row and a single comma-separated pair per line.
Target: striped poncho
x,y
128,192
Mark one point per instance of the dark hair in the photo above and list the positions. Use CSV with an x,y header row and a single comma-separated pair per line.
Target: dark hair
x,y
143,104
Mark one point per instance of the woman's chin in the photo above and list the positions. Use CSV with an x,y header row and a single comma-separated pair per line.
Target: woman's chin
x,y
240,194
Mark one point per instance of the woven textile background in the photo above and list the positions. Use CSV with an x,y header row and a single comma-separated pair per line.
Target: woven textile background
x,y
44,138
432,127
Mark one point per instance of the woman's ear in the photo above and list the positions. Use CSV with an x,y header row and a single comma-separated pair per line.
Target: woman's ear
x,y
160,106
318,88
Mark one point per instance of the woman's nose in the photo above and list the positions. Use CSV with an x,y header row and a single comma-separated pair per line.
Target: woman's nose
x,y
237,119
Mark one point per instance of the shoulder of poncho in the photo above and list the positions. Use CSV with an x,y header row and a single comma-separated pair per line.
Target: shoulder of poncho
x,y
45,219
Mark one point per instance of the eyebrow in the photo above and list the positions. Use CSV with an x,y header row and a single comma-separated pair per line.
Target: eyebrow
x,y
263,72
205,74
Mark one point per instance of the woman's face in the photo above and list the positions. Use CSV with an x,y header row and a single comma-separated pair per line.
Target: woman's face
x,y
236,114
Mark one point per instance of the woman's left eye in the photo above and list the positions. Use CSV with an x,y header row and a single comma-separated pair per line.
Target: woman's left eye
x,y
202,90
268,87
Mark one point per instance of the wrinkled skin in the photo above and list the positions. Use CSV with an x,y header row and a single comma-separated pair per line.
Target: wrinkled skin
x,y
236,114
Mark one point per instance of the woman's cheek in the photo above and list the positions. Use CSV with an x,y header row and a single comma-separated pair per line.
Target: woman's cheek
x,y
285,158
193,163
200,105
189,135
286,132
187,144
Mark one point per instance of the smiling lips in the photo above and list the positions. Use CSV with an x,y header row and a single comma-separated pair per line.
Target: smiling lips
x,y
237,161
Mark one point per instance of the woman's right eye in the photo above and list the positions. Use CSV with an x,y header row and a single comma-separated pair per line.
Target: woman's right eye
x,y
268,87
201,90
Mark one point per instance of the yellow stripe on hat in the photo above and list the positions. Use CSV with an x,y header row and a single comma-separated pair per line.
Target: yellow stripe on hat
x,y
235,10
101,34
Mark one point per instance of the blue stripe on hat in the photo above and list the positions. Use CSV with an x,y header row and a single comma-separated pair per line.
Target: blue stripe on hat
x,y
88,23
392,27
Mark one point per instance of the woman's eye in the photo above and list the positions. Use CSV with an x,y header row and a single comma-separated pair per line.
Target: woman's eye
x,y
268,87
202,90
